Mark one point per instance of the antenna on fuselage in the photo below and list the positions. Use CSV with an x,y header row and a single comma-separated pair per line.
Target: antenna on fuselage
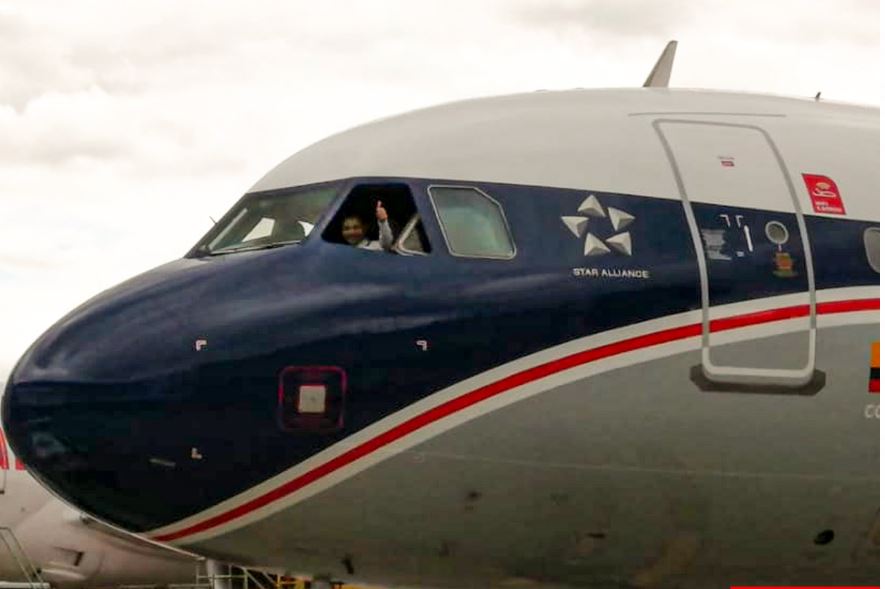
x,y
660,74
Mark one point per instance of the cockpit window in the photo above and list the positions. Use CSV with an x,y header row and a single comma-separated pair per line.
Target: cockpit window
x,y
372,216
268,219
473,223
263,228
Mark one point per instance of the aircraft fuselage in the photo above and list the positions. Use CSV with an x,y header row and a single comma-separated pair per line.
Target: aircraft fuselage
x,y
659,369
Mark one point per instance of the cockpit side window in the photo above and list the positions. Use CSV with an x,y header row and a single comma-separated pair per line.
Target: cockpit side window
x,y
268,219
473,223
360,223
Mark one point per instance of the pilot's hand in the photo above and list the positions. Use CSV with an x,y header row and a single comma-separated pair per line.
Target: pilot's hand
x,y
380,213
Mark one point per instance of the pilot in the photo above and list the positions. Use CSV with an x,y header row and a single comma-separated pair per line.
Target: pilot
x,y
353,230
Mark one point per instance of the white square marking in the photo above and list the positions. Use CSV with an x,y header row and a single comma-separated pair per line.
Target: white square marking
x,y
312,398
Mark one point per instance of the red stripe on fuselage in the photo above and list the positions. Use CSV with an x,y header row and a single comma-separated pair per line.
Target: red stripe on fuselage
x,y
508,383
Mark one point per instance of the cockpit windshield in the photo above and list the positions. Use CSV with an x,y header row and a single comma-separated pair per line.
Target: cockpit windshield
x,y
268,219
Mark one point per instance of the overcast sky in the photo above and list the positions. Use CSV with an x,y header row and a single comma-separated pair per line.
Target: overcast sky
x,y
125,125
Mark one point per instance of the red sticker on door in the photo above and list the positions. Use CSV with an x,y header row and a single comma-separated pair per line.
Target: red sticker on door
x,y
824,194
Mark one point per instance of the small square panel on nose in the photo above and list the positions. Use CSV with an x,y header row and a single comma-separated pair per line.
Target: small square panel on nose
x,y
312,398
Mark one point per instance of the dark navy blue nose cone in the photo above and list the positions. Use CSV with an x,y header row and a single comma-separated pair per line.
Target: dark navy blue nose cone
x,y
133,405
90,400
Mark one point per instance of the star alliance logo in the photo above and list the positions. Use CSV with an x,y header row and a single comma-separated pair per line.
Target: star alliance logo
x,y
620,242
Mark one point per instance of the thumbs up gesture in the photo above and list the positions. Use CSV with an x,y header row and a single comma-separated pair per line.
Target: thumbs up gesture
x,y
380,213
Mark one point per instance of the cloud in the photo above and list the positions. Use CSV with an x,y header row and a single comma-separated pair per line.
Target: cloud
x,y
792,47
805,22
57,126
608,17
21,262
173,87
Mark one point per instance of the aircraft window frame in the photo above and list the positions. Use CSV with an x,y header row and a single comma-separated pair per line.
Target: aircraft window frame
x,y
360,193
872,248
483,194
235,213
405,233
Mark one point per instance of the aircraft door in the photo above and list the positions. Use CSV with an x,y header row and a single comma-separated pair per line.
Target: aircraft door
x,y
752,250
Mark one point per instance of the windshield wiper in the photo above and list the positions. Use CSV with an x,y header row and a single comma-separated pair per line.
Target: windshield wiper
x,y
252,248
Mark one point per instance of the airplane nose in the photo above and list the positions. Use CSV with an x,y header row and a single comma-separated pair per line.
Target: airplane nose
x,y
89,400
160,398
169,395
98,407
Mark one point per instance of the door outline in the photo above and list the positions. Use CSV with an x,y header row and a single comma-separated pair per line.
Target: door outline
x,y
739,375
